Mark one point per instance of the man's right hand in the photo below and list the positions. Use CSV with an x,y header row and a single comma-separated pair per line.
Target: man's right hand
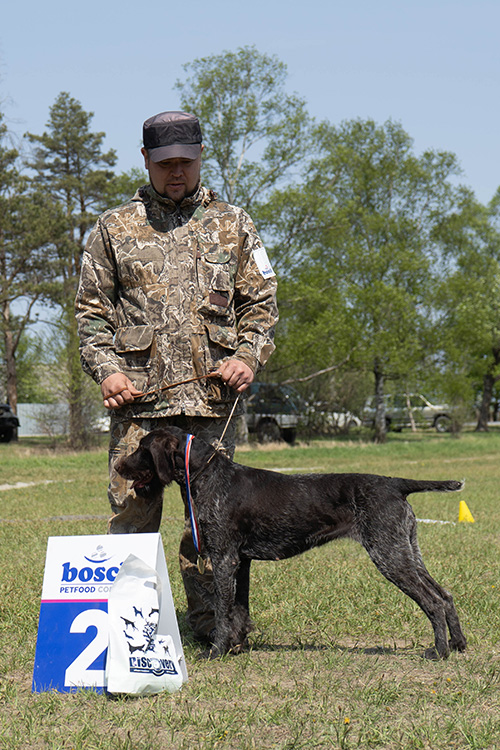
x,y
123,389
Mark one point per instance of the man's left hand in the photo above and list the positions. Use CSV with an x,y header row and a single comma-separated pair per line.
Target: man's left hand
x,y
236,374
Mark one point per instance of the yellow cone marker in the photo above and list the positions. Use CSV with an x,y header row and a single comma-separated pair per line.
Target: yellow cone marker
x,y
464,513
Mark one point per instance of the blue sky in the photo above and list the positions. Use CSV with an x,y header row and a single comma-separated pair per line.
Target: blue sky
x,y
432,65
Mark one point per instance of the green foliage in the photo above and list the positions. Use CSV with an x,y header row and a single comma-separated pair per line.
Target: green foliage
x,y
467,299
29,370
68,157
29,226
122,187
70,165
244,110
31,229
359,248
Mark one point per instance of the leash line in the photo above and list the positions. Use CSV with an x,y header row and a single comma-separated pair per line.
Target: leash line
x,y
219,442
167,386
195,531
192,516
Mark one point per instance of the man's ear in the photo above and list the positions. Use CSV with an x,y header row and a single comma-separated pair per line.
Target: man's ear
x,y
162,449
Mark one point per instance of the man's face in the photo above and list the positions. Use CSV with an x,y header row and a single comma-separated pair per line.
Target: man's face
x,y
173,178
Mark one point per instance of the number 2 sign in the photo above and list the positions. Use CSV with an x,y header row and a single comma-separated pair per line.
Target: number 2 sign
x,y
73,626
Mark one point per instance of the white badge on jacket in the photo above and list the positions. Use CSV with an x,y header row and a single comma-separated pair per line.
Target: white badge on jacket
x,y
263,264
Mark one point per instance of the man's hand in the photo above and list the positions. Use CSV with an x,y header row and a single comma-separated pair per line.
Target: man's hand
x,y
236,374
123,389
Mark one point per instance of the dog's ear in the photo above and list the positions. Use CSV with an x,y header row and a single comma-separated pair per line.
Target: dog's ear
x,y
162,449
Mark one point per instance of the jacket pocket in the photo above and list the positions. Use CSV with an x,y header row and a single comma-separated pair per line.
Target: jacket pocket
x,y
136,348
216,255
134,340
222,343
216,283
222,337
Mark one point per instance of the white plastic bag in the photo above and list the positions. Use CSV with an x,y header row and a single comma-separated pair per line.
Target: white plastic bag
x,y
140,661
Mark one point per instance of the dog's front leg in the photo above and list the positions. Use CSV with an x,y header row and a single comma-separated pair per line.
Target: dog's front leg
x,y
225,569
243,622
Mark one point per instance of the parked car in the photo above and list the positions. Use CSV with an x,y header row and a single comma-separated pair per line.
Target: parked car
x,y
102,423
343,421
322,419
8,423
399,407
273,412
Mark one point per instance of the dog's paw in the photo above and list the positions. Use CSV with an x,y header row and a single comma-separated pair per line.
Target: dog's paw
x,y
432,654
204,639
211,653
458,644
204,655
240,647
215,653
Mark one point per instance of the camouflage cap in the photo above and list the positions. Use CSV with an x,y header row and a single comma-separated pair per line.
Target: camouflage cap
x,y
172,135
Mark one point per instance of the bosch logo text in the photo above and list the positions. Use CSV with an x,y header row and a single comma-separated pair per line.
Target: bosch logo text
x,y
87,576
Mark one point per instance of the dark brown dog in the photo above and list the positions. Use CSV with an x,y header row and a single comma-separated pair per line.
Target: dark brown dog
x,y
249,514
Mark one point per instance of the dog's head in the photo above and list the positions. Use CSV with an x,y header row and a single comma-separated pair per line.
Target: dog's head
x,y
157,461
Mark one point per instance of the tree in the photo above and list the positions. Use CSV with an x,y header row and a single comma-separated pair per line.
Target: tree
x,y
240,100
467,298
70,165
28,227
122,187
357,250
31,371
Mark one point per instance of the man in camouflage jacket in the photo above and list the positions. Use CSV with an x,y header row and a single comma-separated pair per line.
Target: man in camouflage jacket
x,y
174,284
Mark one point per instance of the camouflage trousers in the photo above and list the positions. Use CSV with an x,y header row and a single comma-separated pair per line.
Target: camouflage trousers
x,y
133,515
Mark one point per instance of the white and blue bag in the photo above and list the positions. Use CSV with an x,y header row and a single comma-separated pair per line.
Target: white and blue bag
x,y
140,661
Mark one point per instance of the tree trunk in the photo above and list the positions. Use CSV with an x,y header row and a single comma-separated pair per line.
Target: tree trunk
x,y
410,413
10,361
78,424
489,381
380,423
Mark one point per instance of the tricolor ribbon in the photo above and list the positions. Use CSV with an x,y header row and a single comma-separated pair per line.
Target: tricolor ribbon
x,y
194,523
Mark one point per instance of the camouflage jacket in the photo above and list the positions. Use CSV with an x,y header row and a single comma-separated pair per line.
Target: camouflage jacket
x,y
167,291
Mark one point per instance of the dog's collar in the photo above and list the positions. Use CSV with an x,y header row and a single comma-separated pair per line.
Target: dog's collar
x,y
192,516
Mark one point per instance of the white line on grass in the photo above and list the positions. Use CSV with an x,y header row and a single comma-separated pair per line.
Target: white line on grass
x,y
308,469
22,485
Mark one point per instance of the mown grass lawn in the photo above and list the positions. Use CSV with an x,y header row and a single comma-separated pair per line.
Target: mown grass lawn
x,y
336,657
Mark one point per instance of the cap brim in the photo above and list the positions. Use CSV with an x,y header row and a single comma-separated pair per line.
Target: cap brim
x,y
175,151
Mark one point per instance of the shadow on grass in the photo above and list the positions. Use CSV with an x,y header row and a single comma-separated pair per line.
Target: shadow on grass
x,y
200,651
282,647
258,644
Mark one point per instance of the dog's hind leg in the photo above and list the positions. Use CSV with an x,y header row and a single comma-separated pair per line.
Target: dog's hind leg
x,y
396,562
458,641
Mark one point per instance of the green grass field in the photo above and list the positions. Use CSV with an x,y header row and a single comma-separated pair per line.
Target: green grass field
x,y
336,657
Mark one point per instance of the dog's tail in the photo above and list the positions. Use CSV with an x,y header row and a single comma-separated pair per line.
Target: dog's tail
x,y
407,486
